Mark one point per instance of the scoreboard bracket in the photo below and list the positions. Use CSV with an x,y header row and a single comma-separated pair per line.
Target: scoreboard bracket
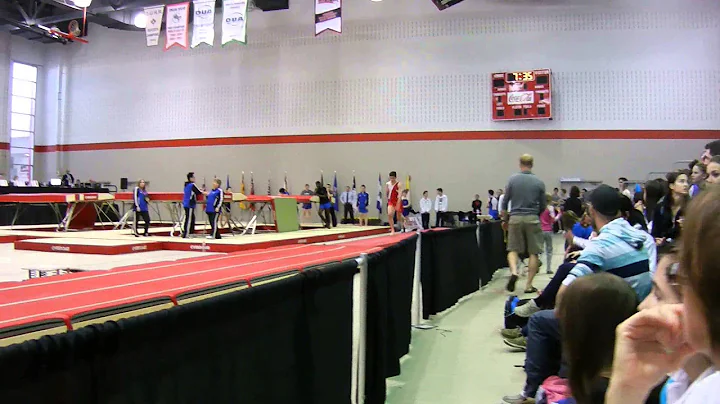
x,y
521,95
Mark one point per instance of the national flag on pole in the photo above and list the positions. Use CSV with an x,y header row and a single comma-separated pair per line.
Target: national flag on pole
x,y
243,205
322,180
378,201
285,184
407,186
269,188
227,181
203,185
252,189
353,186
335,194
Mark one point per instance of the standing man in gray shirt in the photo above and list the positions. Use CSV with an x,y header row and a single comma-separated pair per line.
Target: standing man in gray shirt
x,y
526,194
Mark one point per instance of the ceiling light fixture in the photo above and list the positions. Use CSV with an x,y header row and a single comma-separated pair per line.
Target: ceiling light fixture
x,y
82,3
140,20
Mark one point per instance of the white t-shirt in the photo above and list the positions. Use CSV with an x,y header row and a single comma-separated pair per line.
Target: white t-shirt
x,y
705,390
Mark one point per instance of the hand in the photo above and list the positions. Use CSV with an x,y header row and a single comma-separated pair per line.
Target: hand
x,y
648,345
659,240
137,209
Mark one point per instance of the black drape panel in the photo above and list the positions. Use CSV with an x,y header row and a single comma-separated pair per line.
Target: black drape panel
x,y
485,246
289,341
451,267
389,302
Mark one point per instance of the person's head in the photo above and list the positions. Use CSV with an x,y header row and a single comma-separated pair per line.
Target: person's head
x,y
563,191
678,186
632,215
393,175
439,191
555,191
347,188
548,198
318,184
586,220
362,188
191,176
700,267
307,187
711,149
477,196
697,173
526,162
425,194
141,183
665,288
282,191
500,191
590,310
603,205
583,191
67,171
404,192
622,183
228,188
15,178
574,191
491,192
329,187
713,171
216,183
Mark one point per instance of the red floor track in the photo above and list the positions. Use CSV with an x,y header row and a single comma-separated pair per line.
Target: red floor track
x,y
69,295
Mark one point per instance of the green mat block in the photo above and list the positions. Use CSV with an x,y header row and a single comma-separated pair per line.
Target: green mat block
x,y
286,214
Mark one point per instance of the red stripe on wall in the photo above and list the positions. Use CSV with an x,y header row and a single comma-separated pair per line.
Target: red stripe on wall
x,y
390,137
4,146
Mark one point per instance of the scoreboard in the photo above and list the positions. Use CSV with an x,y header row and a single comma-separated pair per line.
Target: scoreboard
x,y
521,95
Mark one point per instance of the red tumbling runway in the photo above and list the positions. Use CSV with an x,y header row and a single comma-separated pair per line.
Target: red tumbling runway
x,y
69,295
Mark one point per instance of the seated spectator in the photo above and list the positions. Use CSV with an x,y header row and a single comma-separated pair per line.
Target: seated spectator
x,y
661,339
589,313
712,149
619,250
670,211
712,171
653,193
697,178
583,228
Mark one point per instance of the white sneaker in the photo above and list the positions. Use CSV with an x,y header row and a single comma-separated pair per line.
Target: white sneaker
x,y
209,237
527,309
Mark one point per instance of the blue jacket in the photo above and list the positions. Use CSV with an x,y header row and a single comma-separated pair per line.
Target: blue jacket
x,y
140,199
190,194
214,201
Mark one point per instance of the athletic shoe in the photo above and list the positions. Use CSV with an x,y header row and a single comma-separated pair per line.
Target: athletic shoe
x,y
518,399
517,343
550,272
527,309
511,283
511,333
532,289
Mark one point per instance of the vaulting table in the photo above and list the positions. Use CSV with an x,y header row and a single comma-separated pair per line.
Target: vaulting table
x,y
82,208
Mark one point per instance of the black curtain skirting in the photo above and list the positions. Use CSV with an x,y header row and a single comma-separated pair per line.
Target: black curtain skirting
x,y
288,341
389,302
492,246
450,268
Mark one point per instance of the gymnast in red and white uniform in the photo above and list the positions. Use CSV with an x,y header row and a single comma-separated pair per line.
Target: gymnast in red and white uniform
x,y
394,203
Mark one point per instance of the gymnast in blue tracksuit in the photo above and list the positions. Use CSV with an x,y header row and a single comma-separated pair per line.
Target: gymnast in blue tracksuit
x,y
363,200
190,194
213,205
140,204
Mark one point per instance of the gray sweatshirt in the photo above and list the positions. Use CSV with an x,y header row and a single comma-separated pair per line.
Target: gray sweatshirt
x,y
526,193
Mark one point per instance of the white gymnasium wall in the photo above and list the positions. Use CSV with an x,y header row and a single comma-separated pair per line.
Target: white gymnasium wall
x,y
399,66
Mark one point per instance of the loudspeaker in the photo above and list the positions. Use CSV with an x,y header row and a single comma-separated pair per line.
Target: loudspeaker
x,y
123,183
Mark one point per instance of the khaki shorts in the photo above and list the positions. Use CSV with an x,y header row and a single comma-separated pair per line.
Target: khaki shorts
x,y
525,235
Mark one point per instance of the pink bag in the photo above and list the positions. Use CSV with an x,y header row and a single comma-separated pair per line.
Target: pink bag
x,y
556,389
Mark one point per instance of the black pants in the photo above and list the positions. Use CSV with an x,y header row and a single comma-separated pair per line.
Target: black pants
x,y
349,210
440,219
546,300
333,217
426,220
326,216
188,226
214,218
145,217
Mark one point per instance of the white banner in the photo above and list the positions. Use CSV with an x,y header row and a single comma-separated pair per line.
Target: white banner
x,y
328,16
203,22
234,21
154,17
176,25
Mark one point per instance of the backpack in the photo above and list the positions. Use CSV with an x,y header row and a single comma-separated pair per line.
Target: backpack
x,y
511,320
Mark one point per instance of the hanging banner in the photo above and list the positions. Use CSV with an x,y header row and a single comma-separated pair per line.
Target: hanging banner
x,y
234,22
154,17
176,25
328,16
203,22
